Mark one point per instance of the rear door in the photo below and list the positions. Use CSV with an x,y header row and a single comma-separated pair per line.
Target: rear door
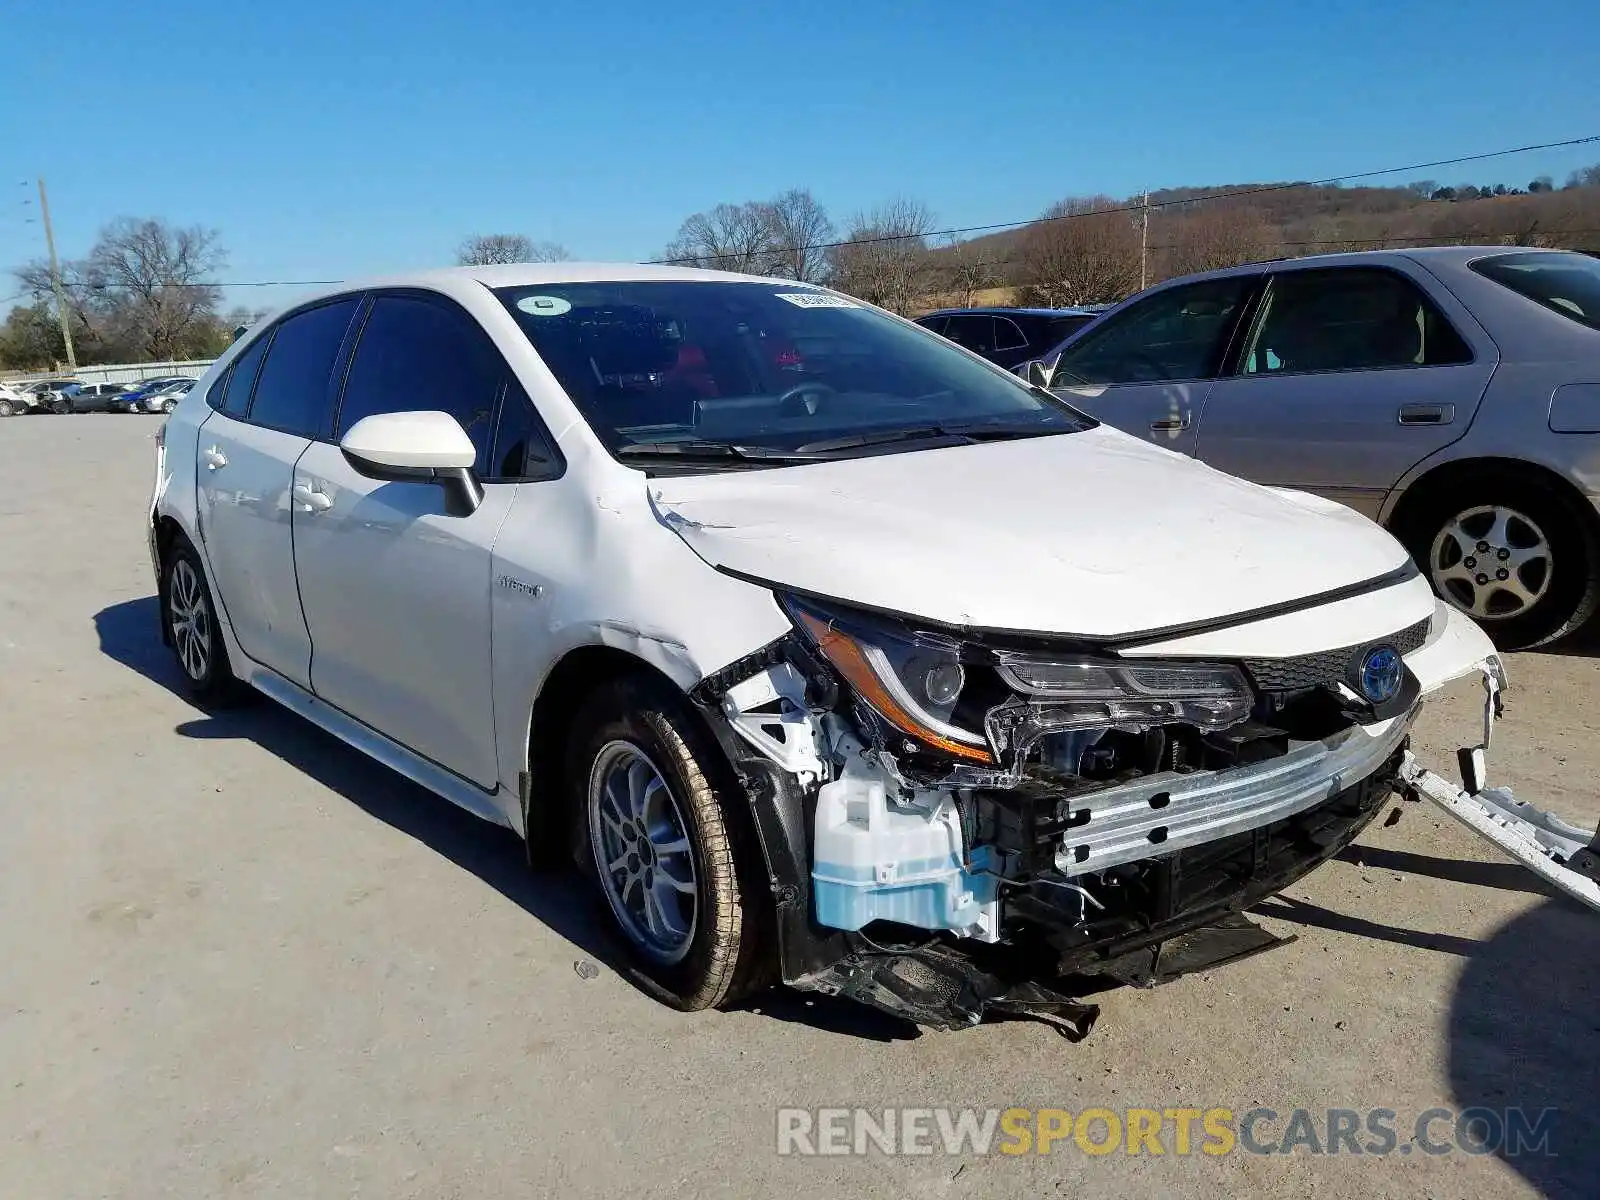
x,y
271,404
395,589
1348,377
1147,370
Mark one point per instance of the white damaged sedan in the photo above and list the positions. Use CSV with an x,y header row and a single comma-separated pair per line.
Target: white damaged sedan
x,y
830,653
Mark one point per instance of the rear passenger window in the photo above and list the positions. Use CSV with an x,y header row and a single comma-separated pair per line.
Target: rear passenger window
x,y
1349,319
293,391
417,354
975,331
1007,336
236,395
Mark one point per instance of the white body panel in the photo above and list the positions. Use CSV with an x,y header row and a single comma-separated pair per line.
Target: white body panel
x,y
1092,533
396,598
243,474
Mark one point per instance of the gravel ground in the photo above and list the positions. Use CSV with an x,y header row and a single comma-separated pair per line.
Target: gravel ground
x,y
237,958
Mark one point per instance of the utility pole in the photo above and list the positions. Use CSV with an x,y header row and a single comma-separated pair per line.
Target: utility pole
x,y
55,279
1144,244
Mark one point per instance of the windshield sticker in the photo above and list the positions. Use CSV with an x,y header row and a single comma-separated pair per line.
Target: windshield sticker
x,y
815,300
544,306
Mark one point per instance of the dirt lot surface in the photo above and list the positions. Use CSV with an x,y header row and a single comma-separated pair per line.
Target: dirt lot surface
x,y
237,958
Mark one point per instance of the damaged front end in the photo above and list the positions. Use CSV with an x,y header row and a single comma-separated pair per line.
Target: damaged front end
x,y
957,825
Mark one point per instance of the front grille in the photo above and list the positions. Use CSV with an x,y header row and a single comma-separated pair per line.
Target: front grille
x,y
1326,667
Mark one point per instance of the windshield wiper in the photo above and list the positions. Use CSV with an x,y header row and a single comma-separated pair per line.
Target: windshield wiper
x,y
691,451
959,434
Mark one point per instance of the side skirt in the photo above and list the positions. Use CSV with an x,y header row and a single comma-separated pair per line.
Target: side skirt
x,y
375,745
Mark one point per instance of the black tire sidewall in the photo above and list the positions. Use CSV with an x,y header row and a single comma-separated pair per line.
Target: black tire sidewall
x,y
634,711
218,683
1574,579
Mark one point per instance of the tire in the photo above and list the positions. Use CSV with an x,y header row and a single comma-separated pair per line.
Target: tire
x,y
7,409
630,734
169,406
190,619
60,407
1524,521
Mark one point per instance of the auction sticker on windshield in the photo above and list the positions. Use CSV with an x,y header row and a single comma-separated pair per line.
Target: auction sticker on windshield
x,y
544,306
815,300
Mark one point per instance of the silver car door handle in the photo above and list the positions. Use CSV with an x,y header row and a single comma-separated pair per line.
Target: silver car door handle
x,y
311,499
1427,414
1170,424
215,459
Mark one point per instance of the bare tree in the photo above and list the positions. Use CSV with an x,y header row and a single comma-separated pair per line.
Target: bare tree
x,y
731,237
1079,253
798,229
1585,177
885,259
1217,235
969,269
163,276
492,249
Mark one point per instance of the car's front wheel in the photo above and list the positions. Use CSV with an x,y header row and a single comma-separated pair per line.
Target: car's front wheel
x,y
1513,554
191,625
169,406
7,408
60,407
668,850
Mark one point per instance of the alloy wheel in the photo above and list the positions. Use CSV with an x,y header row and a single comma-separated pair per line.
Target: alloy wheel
x,y
1492,562
190,619
643,852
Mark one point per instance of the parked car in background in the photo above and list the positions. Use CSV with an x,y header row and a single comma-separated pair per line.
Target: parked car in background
x,y
53,395
839,626
12,403
1006,336
150,395
1451,393
97,397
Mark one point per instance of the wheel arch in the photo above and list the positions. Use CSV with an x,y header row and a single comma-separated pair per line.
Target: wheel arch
x,y
1460,470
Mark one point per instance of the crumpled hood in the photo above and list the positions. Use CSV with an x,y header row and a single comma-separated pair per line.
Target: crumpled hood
x,y
1093,533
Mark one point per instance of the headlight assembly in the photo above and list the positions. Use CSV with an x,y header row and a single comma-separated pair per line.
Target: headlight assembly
x,y
934,688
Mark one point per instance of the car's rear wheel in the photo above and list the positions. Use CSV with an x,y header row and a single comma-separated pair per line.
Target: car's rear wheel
x,y
667,846
169,406
1512,553
191,623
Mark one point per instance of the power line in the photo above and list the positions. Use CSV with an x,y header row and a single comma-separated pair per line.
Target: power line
x,y
1262,189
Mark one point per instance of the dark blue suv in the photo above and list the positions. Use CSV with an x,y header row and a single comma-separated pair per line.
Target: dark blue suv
x,y
1007,336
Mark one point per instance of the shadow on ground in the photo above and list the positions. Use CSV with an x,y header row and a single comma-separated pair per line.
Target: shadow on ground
x,y
1524,1031
130,634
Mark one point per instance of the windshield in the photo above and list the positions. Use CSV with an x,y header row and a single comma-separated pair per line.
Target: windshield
x,y
771,370
1565,283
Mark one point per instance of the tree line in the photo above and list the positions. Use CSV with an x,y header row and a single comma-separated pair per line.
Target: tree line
x,y
145,292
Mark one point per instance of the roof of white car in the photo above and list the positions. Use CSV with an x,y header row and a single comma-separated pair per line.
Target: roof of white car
x,y
522,274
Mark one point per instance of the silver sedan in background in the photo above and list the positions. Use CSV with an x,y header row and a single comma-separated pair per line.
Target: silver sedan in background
x,y
1450,393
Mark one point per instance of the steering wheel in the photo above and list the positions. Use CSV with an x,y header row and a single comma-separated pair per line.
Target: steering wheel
x,y
804,399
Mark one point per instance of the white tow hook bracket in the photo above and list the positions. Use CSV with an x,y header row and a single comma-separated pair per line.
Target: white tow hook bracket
x,y
769,711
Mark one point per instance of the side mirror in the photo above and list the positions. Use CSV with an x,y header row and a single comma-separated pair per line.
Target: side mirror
x,y
417,447
1037,372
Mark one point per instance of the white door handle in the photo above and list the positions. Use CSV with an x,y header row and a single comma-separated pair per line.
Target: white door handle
x,y
215,458
311,499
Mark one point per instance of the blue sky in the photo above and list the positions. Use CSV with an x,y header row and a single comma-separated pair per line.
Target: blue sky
x,y
337,138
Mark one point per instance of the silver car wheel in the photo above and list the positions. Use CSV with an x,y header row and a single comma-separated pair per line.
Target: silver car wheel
x,y
191,620
642,852
1492,562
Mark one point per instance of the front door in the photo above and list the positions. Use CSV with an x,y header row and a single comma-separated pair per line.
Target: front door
x,y
396,592
1148,369
1349,377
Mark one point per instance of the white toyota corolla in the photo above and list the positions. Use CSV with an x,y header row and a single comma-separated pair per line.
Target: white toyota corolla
x,y
831,653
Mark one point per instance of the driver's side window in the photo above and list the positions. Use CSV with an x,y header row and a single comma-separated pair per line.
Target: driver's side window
x,y
1177,334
